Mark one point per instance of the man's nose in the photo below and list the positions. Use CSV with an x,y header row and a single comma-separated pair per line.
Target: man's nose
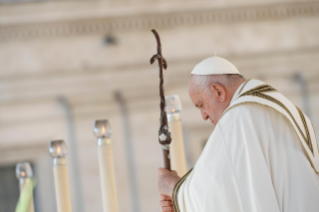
x,y
204,115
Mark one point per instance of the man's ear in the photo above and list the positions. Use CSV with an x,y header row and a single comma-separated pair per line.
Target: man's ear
x,y
219,91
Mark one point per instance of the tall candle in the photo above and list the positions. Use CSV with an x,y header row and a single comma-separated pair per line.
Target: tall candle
x,y
58,151
103,131
24,174
173,108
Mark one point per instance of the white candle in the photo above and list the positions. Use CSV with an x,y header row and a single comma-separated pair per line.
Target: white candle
x,y
58,151
24,174
103,131
173,108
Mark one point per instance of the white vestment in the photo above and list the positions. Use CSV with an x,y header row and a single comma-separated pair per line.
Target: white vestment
x,y
253,161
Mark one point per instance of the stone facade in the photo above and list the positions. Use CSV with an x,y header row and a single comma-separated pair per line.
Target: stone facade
x,y
61,63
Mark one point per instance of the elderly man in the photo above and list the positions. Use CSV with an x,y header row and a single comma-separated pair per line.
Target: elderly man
x,y
262,155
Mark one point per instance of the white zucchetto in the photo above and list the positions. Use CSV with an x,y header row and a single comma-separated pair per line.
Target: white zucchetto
x,y
214,66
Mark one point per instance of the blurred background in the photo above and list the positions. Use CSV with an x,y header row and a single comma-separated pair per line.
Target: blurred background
x,y
64,64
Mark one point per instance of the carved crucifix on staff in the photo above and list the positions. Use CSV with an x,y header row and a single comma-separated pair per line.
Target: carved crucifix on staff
x,y
164,136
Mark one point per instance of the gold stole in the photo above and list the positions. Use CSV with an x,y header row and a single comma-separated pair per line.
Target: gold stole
x,y
259,93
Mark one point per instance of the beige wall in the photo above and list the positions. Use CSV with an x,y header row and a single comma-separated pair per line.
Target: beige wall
x,y
57,49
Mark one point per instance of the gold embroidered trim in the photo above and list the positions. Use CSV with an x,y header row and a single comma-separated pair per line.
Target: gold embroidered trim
x,y
267,106
315,136
245,83
257,92
259,89
308,139
176,189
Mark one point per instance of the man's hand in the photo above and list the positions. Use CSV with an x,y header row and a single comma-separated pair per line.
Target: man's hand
x,y
166,181
166,203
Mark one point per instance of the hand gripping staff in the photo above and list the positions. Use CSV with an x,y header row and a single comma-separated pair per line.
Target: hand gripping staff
x,y
164,136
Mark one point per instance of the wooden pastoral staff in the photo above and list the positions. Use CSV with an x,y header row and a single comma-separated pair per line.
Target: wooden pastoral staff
x,y
164,136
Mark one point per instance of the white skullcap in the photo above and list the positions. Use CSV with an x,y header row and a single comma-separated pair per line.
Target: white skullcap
x,y
214,66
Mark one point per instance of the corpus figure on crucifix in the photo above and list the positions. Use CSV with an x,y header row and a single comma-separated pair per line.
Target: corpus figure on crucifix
x,y
261,156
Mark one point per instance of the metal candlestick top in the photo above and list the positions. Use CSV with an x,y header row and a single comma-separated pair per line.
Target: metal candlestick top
x,y
173,104
102,129
58,150
173,108
23,170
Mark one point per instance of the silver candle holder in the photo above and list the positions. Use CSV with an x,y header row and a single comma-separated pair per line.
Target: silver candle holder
x,y
173,108
58,150
103,131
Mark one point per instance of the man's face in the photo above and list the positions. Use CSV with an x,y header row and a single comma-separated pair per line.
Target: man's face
x,y
210,104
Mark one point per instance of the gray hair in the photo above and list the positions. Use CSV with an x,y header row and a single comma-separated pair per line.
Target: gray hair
x,y
227,80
